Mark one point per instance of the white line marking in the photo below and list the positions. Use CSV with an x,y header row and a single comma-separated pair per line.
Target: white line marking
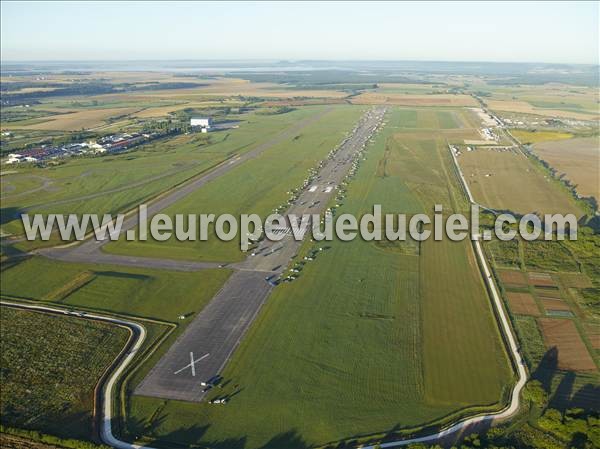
x,y
191,364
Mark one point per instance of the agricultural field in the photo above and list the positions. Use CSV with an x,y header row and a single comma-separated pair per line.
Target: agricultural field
x,y
232,87
145,99
358,334
499,179
256,186
158,299
49,368
531,137
72,121
578,159
401,99
549,100
528,108
551,291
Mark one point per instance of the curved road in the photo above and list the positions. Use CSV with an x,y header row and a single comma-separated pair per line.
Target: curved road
x,y
138,335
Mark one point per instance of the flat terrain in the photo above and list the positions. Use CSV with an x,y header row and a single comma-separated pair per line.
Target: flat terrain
x,y
525,107
255,186
358,334
159,294
530,137
546,100
208,341
49,368
117,183
217,330
571,352
371,338
552,294
72,121
523,303
400,99
578,159
499,179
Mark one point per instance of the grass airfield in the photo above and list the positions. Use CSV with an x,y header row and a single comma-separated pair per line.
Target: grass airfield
x,y
257,186
117,183
371,339
357,335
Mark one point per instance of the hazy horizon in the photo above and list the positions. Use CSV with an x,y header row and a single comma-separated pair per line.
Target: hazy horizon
x,y
501,32
290,61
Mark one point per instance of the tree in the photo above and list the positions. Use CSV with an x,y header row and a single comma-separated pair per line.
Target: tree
x,y
535,393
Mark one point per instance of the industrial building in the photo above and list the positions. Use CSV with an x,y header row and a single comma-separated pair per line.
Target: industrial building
x,y
204,123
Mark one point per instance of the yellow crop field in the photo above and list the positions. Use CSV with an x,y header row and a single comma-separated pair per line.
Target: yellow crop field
x,y
578,159
526,108
73,121
414,100
508,180
230,87
526,137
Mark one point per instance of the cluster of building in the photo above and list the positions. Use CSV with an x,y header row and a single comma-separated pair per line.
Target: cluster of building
x,y
107,144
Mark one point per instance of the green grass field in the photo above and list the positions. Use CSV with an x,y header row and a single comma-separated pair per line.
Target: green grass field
x,y
155,298
116,183
157,294
367,340
256,186
49,368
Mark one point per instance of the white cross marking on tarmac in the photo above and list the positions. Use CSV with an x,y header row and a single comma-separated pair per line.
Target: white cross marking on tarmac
x,y
192,364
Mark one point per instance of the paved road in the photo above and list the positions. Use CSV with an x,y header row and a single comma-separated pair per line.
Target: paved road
x,y
208,342
89,251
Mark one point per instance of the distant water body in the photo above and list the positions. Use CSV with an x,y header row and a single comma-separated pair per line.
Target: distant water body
x,y
162,66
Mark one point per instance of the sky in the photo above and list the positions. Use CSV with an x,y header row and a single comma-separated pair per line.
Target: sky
x,y
555,32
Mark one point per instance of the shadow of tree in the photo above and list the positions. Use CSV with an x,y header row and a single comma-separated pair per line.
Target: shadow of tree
x,y
560,399
193,436
286,440
587,397
546,370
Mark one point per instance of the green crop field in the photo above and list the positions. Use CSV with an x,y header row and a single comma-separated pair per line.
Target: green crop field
x,y
256,186
49,368
356,345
